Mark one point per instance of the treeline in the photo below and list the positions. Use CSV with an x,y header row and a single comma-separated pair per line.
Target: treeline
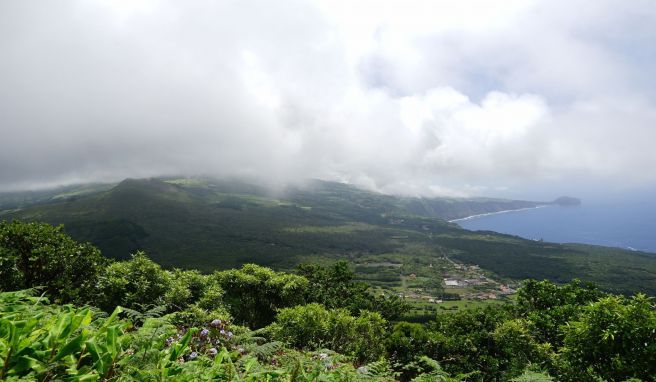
x,y
254,324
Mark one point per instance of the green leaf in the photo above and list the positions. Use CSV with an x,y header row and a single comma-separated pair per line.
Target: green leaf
x,y
110,319
98,363
179,348
111,340
24,363
71,347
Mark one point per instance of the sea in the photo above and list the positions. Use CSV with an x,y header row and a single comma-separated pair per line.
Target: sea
x,y
626,223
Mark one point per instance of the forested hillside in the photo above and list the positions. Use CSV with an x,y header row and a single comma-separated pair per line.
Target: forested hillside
x,y
210,224
67,313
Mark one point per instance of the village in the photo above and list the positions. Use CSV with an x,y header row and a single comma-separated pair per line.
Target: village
x,y
469,285
445,281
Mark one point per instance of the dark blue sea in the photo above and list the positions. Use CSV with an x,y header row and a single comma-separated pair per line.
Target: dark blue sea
x,y
629,224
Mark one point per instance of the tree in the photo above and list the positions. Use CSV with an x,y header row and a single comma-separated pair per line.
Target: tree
x,y
407,342
254,293
314,327
548,306
486,340
614,339
134,284
334,287
38,254
186,287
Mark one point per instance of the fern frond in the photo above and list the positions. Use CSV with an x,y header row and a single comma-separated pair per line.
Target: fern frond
x,y
267,350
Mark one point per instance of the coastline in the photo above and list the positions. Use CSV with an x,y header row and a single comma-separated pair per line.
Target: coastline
x,y
497,212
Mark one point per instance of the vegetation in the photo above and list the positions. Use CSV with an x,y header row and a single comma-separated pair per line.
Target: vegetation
x,y
334,287
208,224
313,326
44,342
133,320
254,294
41,255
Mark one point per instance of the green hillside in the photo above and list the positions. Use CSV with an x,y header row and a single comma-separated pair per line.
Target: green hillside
x,y
68,314
211,224
458,208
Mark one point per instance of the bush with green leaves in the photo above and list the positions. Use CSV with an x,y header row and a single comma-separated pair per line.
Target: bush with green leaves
x,y
40,255
613,339
194,299
314,327
516,348
532,376
187,287
406,345
548,306
254,293
140,284
135,284
335,287
490,341
44,342
408,341
429,370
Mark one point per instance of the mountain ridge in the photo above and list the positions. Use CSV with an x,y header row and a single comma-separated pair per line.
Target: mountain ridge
x,y
217,224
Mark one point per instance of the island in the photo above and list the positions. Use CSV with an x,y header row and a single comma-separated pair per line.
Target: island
x,y
567,201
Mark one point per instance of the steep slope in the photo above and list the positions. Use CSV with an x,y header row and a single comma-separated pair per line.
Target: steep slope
x,y
209,224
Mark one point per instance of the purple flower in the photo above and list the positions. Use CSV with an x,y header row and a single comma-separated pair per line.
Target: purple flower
x,y
193,355
212,351
204,333
215,323
222,332
169,341
229,334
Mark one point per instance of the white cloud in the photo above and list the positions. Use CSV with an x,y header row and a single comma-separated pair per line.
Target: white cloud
x,y
417,97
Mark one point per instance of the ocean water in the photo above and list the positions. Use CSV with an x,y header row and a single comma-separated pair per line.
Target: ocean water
x,y
629,224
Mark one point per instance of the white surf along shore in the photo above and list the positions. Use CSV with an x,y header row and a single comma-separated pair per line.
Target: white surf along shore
x,y
497,212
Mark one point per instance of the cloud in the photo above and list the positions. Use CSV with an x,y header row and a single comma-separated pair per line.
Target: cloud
x,y
406,97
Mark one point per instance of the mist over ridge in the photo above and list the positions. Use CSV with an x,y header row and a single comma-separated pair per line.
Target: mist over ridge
x,y
514,99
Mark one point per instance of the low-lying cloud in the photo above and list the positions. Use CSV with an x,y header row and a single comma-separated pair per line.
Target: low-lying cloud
x,y
404,97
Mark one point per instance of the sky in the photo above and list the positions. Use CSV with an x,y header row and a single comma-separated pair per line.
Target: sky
x,y
520,99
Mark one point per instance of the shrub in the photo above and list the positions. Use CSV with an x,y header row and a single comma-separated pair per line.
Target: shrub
x,y
613,339
38,254
313,326
135,284
254,293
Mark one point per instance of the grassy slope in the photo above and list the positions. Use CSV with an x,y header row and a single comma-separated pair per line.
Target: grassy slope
x,y
208,224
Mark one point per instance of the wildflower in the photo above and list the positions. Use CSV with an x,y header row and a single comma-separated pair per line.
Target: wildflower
x,y
169,341
229,335
215,323
213,351
323,356
204,333
222,332
193,355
